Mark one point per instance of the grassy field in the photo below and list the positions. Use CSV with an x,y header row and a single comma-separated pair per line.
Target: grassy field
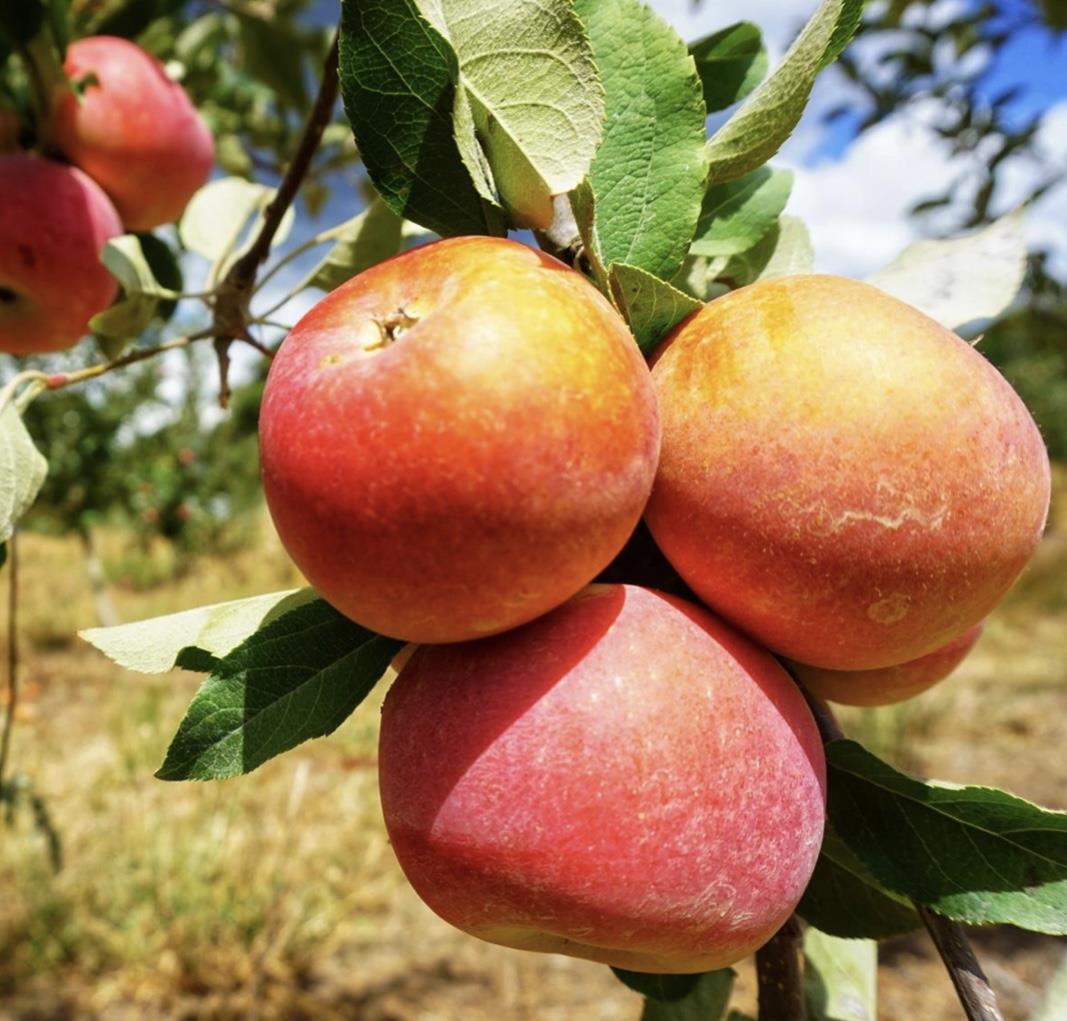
x,y
276,896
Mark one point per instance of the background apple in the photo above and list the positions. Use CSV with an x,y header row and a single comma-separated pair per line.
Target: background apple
x,y
892,683
53,223
134,131
841,477
626,779
457,440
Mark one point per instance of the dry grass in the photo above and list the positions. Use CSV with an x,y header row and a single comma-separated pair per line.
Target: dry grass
x,y
276,896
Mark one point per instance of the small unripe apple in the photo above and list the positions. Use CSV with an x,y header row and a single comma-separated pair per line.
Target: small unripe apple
x,y
841,477
889,684
54,221
457,440
626,779
133,130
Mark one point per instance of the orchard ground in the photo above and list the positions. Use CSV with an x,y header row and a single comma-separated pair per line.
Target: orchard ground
x,y
281,899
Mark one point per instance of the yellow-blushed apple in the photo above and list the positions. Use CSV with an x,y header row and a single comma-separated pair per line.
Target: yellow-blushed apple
x,y
841,477
54,222
889,684
457,440
626,779
133,130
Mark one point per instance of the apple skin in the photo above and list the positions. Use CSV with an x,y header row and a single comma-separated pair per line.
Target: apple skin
x,y
54,221
626,780
841,477
476,471
136,133
890,684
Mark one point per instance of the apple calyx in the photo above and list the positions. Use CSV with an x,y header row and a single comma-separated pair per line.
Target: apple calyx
x,y
390,329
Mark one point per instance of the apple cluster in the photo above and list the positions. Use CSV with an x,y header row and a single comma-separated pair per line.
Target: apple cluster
x,y
130,150
458,441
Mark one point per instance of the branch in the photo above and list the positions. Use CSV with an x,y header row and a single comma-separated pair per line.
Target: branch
x,y
781,993
242,274
976,996
972,987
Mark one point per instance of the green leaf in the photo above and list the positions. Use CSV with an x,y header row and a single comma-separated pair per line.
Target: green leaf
x,y
399,78
22,470
757,130
706,1001
529,106
298,677
844,899
974,854
731,63
359,243
735,215
271,52
840,978
665,988
164,267
785,250
155,646
651,306
964,283
649,173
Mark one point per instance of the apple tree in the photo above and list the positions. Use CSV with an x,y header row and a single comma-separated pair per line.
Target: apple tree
x,y
461,436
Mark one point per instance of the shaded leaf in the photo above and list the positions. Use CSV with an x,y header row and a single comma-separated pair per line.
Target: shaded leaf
x,y
706,1001
785,250
651,306
665,988
964,283
649,172
22,470
840,978
299,676
844,899
974,854
218,214
735,215
154,646
399,77
757,130
731,63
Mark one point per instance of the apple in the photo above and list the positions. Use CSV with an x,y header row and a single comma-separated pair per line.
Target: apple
x,y
626,779
841,477
54,221
133,130
457,440
889,684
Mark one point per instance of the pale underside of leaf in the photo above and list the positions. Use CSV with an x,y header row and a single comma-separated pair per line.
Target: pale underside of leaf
x,y
22,470
153,646
964,283
651,306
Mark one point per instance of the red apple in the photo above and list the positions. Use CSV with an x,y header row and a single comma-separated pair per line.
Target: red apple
x,y
841,477
134,131
889,684
54,221
626,779
457,440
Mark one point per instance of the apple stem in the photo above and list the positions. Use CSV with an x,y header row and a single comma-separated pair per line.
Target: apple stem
x,y
976,996
778,975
